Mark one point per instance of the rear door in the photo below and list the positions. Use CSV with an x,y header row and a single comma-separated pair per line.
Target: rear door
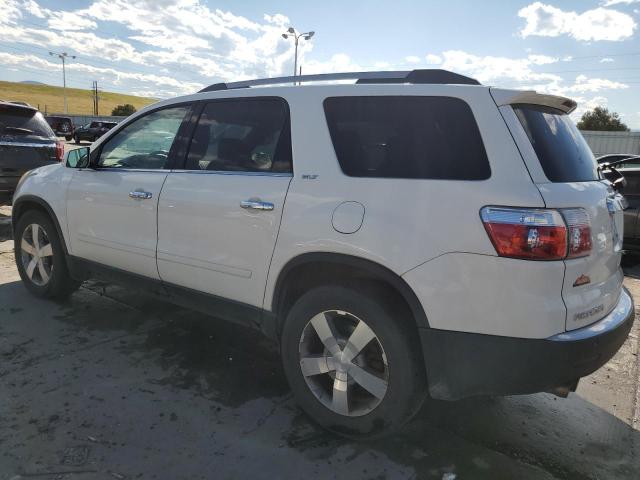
x,y
565,171
219,216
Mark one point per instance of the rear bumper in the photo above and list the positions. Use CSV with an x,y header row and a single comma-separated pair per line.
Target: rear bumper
x,y
7,187
467,364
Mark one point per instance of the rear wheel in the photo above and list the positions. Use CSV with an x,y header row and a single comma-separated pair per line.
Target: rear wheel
x,y
40,257
352,362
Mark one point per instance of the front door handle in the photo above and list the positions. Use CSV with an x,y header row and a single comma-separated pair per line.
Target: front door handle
x,y
256,204
140,195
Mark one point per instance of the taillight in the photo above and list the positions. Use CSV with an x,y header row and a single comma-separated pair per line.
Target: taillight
x,y
59,151
538,233
532,234
579,234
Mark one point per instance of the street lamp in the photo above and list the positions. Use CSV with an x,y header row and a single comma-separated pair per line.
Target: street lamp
x,y
291,32
63,56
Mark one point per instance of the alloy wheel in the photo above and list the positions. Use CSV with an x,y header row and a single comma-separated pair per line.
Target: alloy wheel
x,y
343,363
37,254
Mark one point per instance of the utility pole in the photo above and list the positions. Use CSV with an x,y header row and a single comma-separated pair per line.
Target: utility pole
x,y
63,56
291,32
94,90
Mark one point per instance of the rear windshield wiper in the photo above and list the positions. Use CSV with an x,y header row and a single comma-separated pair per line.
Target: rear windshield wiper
x,y
23,131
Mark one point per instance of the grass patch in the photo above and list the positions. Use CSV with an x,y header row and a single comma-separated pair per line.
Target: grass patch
x,y
79,102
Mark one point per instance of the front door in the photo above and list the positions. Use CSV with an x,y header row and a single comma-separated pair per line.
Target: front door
x,y
219,216
112,208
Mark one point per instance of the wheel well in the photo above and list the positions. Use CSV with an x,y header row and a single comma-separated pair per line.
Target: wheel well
x,y
312,270
30,203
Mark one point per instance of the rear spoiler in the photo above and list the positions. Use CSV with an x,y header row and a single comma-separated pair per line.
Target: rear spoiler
x,y
514,97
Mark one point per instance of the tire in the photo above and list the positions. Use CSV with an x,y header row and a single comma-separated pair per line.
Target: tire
x,y
366,415
68,138
56,283
77,140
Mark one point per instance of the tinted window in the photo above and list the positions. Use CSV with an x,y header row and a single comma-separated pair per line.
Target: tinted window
x,y
18,122
144,143
406,137
562,151
250,135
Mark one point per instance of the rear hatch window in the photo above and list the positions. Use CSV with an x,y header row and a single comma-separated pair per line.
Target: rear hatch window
x,y
562,151
18,123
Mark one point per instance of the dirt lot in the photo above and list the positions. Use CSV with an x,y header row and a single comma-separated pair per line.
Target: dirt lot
x,y
112,384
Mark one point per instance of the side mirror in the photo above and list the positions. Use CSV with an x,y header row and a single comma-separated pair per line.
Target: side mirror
x,y
78,158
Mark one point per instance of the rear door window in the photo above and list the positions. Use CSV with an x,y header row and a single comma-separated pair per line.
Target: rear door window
x,y
23,123
562,151
243,135
406,137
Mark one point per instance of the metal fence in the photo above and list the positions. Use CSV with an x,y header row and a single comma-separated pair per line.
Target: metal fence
x,y
603,143
79,120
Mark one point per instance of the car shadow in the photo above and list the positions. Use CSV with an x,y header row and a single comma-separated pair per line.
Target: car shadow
x,y
154,389
5,224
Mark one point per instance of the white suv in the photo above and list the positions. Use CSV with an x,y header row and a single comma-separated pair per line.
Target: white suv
x,y
414,232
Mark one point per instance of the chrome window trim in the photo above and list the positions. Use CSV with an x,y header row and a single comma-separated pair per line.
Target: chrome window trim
x,y
116,169
234,172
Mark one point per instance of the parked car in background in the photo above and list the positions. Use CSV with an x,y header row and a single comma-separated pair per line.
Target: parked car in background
x,y
92,131
626,167
61,126
26,142
413,232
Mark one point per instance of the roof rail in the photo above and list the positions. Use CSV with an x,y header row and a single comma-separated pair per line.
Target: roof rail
x,y
400,76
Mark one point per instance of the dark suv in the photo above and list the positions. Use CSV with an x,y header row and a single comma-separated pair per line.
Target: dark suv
x,y
26,142
61,126
92,131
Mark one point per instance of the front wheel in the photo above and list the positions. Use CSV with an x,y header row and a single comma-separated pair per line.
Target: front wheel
x,y
40,257
353,361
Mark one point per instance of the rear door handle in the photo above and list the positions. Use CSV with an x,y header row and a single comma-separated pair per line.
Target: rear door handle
x,y
140,195
255,204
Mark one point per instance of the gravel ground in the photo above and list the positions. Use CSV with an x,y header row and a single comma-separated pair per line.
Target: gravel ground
x,y
112,384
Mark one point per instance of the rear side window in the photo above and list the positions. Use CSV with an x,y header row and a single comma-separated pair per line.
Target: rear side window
x,y
244,135
562,151
23,123
406,137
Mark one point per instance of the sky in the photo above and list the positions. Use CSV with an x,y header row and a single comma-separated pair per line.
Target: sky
x,y
588,50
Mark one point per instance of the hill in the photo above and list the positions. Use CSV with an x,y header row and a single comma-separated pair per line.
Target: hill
x,y
80,102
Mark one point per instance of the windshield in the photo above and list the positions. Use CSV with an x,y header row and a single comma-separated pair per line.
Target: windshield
x,y
562,151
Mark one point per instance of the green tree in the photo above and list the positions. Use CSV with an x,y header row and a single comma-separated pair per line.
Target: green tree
x,y
601,119
123,110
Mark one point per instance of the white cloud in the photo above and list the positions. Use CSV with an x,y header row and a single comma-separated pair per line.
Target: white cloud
x,y
491,69
609,3
433,59
9,12
606,60
182,36
412,59
111,75
542,59
598,24
584,84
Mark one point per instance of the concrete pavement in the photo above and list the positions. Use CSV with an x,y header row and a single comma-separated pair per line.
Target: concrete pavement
x,y
112,384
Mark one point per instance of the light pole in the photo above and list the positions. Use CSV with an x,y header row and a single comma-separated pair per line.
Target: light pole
x,y
63,56
291,32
